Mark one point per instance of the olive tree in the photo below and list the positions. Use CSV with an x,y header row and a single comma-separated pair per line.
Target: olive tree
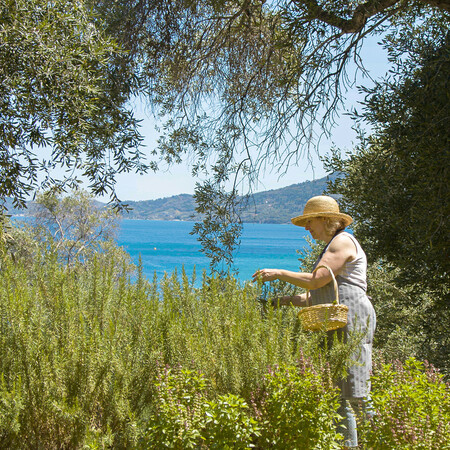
x,y
238,85
395,183
75,225
251,84
62,101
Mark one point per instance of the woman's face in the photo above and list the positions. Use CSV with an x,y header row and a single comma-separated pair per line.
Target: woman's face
x,y
316,226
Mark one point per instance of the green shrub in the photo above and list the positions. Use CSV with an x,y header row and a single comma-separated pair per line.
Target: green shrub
x,y
81,351
411,408
228,424
11,405
67,342
220,330
296,408
177,414
182,417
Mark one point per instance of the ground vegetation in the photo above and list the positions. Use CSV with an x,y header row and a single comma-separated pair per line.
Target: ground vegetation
x,y
99,356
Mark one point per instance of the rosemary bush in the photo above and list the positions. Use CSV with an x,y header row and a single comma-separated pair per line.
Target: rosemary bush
x,y
68,339
80,346
96,356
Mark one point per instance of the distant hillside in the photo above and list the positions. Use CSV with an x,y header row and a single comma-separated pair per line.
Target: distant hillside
x,y
274,206
178,207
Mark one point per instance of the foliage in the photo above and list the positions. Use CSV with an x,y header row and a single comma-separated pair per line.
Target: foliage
x,y
395,184
229,425
60,345
61,102
220,327
271,292
80,349
183,416
240,86
245,84
69,338
99,357
221,227
297,408
77,225
73,228
408,323
177,416
244,87
410,408
308,256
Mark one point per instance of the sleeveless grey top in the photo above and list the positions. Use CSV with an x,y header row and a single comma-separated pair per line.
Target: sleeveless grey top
x,y
353,273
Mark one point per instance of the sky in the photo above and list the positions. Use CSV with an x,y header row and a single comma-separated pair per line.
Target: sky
x,y
178,180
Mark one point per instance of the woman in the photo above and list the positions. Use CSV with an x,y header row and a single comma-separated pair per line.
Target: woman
x,y
345,257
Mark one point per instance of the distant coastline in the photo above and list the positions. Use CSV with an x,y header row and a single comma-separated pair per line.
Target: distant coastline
x,y
276,206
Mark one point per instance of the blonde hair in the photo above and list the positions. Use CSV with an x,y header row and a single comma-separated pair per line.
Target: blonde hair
x,y
333,224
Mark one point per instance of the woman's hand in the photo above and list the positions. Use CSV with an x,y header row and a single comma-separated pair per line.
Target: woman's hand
x,y
266,275
290,300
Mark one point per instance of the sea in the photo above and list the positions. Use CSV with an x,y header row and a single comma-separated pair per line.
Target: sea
x,y
166,246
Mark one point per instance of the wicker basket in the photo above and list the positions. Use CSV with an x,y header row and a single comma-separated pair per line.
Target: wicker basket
x,y
328,316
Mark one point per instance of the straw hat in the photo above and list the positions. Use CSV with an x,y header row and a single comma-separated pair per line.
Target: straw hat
x,y
321,206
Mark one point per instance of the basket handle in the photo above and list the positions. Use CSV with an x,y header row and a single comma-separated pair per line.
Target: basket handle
x,y
336,294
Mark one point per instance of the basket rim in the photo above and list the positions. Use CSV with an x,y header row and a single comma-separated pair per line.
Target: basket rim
x,y
323,306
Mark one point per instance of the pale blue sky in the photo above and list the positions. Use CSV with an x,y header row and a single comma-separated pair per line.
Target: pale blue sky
x,y
178,179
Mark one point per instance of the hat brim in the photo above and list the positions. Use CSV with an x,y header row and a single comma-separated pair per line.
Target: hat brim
x,y
300,221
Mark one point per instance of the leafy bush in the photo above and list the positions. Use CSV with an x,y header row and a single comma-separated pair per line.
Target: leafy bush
x,y
182,417
177,413
11,405
79,347
296,407
228,424
96,356
411,408
66,346
408,321
221,330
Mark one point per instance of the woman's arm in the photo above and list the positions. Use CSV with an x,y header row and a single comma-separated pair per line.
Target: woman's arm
x,y
341,250
291,300
301,279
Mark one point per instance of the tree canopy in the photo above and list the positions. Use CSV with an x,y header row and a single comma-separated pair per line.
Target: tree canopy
x,y
239,84
251,84
246,85
396,182
62,103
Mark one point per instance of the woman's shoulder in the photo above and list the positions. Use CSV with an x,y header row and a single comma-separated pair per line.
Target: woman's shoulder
x,y
345,242
344,237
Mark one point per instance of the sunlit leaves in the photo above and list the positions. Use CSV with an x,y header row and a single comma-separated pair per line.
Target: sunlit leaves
x,y
59,102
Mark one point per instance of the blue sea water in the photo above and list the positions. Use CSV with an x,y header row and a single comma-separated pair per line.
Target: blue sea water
x,y
167,245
